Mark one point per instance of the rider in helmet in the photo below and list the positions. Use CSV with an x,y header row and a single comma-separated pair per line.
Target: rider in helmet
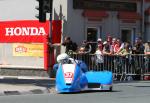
x,y
65,59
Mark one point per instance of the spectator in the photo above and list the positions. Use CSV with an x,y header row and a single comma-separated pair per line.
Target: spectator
x,y
106,49
99,58
114,41
147,57
125,58
99,44
138,48
70,46
85,47
137,61
109,40
99,54
147,48
126,50
84,50
117,46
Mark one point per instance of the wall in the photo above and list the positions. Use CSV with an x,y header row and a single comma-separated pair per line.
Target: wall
x,y
147,26
75,23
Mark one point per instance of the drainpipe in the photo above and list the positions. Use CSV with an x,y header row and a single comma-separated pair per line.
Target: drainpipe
x,y
143,20
51,53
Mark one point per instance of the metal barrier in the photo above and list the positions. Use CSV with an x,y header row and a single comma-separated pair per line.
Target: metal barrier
x,y
123,67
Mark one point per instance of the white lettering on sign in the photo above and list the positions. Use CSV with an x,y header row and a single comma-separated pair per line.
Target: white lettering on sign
x,y
23,31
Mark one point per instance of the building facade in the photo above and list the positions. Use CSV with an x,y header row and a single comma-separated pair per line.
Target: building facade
x,y
125,19
91,19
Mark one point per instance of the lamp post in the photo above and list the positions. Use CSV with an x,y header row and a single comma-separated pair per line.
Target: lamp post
x,y
48,40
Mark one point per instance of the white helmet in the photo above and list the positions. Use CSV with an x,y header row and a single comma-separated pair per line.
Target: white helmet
x,y
62,57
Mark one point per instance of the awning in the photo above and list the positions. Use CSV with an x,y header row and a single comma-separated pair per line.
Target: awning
x,y
129,15
95,14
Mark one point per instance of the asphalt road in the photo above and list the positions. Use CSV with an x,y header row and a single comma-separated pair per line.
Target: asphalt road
x,y
133,92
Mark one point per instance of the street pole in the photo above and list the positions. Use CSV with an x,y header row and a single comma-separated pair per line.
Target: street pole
x,y
51,19
51,51
143,19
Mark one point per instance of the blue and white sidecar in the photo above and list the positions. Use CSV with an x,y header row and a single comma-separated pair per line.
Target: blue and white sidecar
x,y
73,78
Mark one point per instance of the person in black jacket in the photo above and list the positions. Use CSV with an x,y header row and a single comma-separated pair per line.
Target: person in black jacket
x,y
70,46
138,48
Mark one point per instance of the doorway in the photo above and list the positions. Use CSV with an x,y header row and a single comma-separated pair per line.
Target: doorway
x,y
92,34
127,35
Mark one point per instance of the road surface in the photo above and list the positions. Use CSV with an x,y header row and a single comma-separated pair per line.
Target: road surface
x,y
133,92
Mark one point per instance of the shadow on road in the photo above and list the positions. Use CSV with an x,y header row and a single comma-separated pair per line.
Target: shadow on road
x,y
43,83
91,91
135,81
143,86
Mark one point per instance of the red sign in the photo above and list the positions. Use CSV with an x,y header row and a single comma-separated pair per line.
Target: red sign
x,y
23,31
31,31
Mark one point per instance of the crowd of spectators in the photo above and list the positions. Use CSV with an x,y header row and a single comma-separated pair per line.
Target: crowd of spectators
x,y
112,53
111,46
116,47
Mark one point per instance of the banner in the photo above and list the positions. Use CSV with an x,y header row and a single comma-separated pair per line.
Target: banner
x,y
56,31
24,49
23,31
31,31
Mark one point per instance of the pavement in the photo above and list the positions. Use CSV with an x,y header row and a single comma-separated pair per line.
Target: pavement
x,y
21,85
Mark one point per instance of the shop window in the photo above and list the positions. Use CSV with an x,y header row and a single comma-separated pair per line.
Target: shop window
x,y
92,34
127,35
